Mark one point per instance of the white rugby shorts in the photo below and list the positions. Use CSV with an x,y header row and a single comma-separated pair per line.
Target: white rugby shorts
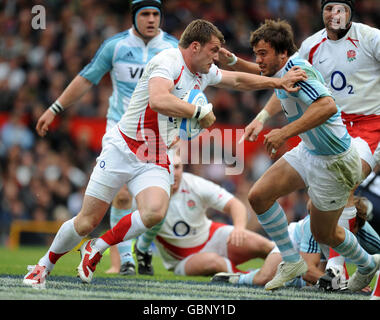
x,y
117,165
364,151
329,178
216,244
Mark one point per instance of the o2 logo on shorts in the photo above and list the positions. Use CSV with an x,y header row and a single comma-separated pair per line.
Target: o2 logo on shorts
x,y
181,229
102,164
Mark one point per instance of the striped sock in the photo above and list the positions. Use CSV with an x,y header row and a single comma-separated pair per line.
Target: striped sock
x,y
275,224
351,249
145,240
125,251
65,240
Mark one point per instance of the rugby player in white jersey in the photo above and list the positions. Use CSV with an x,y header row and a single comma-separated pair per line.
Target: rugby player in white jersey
x,y
326,161
347,54
124,56
135,151
189,243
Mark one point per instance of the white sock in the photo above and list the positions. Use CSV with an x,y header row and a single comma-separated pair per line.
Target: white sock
x,y
65,240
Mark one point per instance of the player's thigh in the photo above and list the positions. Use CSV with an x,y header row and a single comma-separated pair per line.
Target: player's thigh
x,y
152,203
279,180
205,263
254,246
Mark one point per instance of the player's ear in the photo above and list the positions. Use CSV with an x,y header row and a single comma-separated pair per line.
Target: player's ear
x,y
284,54
196,46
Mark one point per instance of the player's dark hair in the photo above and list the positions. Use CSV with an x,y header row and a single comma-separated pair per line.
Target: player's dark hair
x,y
200,31
278,34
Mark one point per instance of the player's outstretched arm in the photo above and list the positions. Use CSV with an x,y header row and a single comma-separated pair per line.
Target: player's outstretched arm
x,y
245,81
74,91
229,61
252,131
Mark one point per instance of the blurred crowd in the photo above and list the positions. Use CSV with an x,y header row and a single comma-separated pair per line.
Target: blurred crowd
x,y
44,179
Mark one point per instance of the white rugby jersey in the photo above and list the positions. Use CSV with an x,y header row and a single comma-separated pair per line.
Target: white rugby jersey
x,y
350,67
124,56
140,122
186,224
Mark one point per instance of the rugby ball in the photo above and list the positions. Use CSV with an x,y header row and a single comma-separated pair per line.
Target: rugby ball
x,y
190,128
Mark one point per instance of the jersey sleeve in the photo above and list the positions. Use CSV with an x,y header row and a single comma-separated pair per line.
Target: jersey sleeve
x,y
164,66
375,44
214,76
101,63
308,243
212,195
303,52
313,88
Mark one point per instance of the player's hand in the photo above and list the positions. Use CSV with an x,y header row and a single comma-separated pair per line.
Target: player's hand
x,y
224,56
367,289
44,121
251,132
293,76
237,237
208,120
273,141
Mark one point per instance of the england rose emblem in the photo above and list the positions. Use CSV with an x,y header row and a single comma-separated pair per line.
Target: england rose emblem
x,y
351,55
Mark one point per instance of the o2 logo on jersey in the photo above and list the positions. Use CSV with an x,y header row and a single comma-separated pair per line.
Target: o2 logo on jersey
x,y
181,229
102,164
339,82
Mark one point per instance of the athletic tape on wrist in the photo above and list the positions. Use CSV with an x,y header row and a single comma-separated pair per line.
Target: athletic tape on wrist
x,y
56,107
233,60
262,116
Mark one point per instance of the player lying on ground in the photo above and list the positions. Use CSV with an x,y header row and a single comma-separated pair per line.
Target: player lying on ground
x,y
189,243
314,255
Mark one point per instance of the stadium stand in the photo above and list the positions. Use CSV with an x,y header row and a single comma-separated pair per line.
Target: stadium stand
x,y
42,180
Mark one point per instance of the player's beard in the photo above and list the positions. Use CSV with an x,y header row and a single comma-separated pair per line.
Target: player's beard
x,y
340,33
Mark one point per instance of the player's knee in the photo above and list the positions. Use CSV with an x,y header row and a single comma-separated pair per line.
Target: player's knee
x,y
84,225
255,198
153,215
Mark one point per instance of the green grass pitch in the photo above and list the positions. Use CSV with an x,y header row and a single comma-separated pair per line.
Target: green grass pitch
x,y
63,284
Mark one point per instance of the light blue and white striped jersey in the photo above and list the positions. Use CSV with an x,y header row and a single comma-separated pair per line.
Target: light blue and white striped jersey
x,y
124,56
304,240
329,138
302,236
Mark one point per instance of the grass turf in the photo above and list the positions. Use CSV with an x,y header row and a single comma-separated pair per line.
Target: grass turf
x,y
63,284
